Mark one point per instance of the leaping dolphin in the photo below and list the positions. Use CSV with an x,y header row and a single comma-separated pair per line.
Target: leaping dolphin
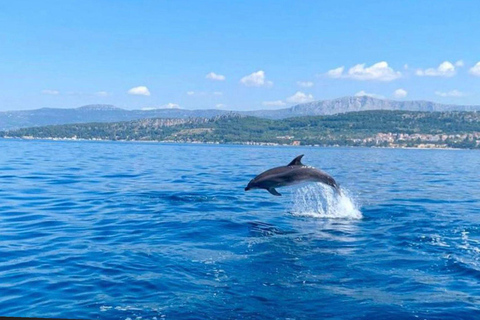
x,y
293,173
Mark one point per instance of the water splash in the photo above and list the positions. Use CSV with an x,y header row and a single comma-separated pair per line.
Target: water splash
x,y
320,201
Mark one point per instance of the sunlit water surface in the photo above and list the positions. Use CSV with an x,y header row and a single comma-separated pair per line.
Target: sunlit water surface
x,y
105,230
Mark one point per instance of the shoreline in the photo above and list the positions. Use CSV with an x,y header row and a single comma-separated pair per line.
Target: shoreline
x,y
259,144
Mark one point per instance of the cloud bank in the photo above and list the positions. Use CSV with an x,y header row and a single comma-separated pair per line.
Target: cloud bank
x,y
379,71
445,69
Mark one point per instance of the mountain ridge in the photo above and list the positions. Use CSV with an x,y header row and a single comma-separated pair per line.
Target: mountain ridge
x,y
109,113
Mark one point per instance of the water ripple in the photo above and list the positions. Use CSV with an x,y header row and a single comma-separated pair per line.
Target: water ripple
x,y
128,230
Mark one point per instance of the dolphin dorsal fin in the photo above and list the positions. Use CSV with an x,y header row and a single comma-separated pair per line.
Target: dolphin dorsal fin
x,y
297,161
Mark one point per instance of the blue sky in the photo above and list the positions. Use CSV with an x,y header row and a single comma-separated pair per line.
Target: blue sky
x,y
239,55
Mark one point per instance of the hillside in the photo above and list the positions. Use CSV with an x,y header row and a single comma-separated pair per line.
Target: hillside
x,y
107,113
366,128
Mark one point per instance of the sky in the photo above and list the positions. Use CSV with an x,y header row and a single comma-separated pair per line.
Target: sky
x,y
236,55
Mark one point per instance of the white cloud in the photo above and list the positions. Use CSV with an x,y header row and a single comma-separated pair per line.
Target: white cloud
x,y
459,63
102,94
190,93
256,79
300,97
276,103
170,106
51,92
217,93
379,71
453,93
220,105
445,69
366,94
140,91
215,77
405,66
475,70
400,93
336,73
305,84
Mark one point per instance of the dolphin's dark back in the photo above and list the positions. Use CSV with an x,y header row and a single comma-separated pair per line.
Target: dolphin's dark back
x,y
298,174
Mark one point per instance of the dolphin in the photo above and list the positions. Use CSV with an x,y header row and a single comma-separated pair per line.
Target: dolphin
x,y
293,173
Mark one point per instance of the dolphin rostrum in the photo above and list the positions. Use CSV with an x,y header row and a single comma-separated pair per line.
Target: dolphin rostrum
x,y
293,173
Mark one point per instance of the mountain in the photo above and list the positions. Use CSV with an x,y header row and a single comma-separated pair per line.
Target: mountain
x,y
354,104
107,113
10,120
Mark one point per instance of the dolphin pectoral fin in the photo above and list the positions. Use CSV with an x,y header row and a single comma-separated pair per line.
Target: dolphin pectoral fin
x,y
273,191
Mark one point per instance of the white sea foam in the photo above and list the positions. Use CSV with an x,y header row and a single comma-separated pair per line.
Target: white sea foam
x,y
320,201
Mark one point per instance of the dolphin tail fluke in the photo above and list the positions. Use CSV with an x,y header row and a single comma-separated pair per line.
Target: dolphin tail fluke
x,y
337,189
273,191
332,183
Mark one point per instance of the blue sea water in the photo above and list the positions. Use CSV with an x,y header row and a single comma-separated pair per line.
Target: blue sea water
x,y
105,230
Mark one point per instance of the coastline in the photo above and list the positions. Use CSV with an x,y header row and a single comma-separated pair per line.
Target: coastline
x,y
264,144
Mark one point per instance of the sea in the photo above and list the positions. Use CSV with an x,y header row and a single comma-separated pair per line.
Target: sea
x,y
120,230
